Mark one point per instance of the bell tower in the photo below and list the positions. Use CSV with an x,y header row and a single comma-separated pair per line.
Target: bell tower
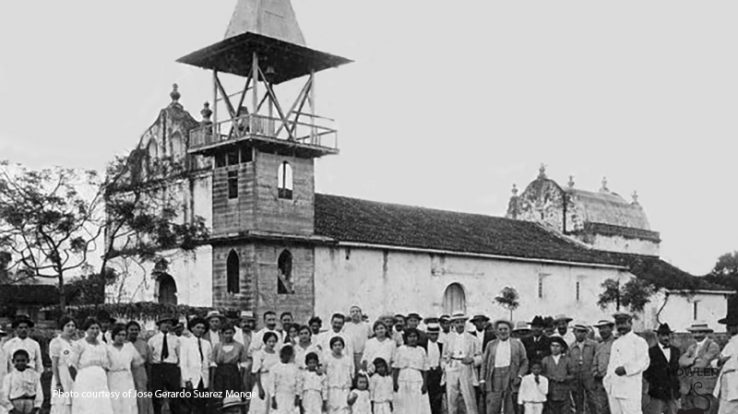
x,y
264,151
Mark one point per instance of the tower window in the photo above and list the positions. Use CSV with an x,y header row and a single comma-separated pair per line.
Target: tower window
x,y
220,160
232,273
232,158
577,291
695,310
246,155
232,184
540,285
284,180
284,274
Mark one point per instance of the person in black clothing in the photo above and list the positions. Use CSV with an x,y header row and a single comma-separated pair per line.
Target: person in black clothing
x,y
537,345
483,330
663,374
412,321
435,373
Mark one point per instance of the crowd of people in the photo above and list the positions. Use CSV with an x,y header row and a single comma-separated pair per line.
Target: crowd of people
x,y
402,364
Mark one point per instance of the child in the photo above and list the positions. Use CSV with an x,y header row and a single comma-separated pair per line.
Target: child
x,y
21,389
339,371
533,390
314,389
556,369
264,360
358,398
284,385
380,388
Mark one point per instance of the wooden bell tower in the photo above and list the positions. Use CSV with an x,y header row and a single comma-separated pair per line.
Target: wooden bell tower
x,y
264,151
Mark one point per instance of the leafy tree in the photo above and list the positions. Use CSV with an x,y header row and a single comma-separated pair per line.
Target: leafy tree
x,y
60,223
508,299
635,294
727,265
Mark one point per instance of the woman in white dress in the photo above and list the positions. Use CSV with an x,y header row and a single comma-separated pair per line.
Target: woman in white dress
x,y
304,346
339,371
264,360
379,346
123,358
60,351
410,369
90,359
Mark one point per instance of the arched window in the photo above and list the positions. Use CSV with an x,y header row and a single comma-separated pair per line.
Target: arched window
x,y
166,290
177,145
152,156
232,273
454,299
284,276
284,181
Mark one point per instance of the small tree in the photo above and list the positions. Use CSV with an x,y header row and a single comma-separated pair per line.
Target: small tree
x,y
508,299
635,294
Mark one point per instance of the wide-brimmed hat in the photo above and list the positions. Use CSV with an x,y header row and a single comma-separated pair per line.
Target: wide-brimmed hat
x,y
664,329
456,316
247,314
413,315
537,321
622,316
521,326
700,326
196,320
562,317
167,318
482,318
232,401
580,325
431,320
559,340
433,327
444,317
22,319
214,314
603,322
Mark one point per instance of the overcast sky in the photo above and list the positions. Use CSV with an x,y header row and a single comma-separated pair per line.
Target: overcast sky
x,y
447,104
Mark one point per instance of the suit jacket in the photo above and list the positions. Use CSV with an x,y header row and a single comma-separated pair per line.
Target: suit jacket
x,y
559,377
663,375
629,351
582,361
192,366
461,346
489,336
704,355
536,351
518,361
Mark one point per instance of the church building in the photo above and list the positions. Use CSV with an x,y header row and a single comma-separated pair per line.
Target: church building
x,y
247,167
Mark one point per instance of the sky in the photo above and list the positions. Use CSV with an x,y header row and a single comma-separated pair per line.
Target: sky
x,y
447,105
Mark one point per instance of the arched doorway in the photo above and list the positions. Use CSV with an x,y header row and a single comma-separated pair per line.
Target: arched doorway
x,y
166,289
454,299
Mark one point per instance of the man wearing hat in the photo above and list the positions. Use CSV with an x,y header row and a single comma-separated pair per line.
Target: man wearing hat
x,y
165,371
22,326
435,369
582,358
445,322
727,385
483,334
662,374
698,361
561,322
602,358
628,359
461,354
537,345
215,320
504,363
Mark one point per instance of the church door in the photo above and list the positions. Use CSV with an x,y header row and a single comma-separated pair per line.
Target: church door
x,y
454,299
167,290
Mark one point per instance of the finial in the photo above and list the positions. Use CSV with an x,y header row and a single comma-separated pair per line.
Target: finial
x,y
515,190
571,181
174,94
206,112
635,197
542,171
604,188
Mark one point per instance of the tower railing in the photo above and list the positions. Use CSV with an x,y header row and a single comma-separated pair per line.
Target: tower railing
x,y
314,132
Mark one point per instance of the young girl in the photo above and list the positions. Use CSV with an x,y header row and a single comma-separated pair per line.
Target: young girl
x,y
380,346
339,370
314,389
410,376
381,388
227,357
284,383
358,398
264,360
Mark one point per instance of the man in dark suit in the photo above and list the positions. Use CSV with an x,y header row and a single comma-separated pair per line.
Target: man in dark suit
x,y
435,372
537,345
484,331
662,374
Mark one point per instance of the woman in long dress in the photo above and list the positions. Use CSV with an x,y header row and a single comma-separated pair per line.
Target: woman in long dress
x,y
339,372
123,357
228,356
90,358
304,346
379,346
264,360
60,351
410,369
140,378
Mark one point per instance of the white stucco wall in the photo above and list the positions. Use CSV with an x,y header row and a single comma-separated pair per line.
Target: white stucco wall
x,y
392,281
623,245
679,310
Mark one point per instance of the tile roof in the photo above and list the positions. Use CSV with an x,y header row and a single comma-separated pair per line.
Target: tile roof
x,y
361,221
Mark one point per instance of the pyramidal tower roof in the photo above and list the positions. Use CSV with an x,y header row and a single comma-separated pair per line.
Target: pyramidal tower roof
x,y
271,18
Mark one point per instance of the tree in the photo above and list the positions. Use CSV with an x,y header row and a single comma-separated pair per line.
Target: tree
x,y
60,222
508,299
727,265
634,294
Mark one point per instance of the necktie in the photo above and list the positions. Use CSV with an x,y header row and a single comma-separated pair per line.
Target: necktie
x,y
199,347
164,349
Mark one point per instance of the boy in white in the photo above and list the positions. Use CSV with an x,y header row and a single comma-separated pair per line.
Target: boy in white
x,y
533,390
285,383
21,388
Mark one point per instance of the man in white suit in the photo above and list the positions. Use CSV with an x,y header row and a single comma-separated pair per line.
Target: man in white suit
x,y
628,359
196,354
462,353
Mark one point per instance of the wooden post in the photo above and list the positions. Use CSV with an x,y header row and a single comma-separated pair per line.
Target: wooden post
x,y
313,132
215,105
255,97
